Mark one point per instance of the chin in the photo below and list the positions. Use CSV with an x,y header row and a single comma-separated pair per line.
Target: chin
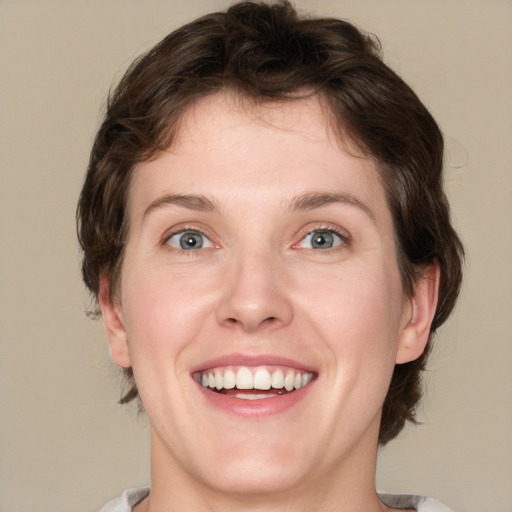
x,y
257,468
256,478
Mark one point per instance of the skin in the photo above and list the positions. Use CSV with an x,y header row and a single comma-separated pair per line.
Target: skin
x,y
258,287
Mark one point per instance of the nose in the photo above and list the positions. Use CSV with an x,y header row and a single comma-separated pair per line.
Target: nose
x,y
255,296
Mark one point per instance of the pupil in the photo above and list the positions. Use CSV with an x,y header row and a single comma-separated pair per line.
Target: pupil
x,y
191,241
322,240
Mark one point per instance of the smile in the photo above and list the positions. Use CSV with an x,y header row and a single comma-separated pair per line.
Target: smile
x,y
254,383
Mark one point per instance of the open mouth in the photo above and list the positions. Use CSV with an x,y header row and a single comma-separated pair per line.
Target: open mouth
x,y
253,383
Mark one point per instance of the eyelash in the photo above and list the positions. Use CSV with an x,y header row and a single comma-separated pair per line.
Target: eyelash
x,y
343,236
322,228
181,230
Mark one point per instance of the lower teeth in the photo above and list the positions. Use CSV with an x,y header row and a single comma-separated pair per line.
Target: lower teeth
x,y
253,394
245,396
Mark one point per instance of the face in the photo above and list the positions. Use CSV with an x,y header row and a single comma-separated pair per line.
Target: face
x,y
260,302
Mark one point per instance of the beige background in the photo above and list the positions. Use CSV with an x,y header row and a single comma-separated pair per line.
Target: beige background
x,y
65,446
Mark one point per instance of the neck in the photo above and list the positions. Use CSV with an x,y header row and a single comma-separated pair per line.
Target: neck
x,y
347,486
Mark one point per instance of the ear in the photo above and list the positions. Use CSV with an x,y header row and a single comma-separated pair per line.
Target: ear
x,y
114,325
419,315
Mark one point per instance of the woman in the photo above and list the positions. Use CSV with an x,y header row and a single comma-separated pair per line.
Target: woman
x,y
265,231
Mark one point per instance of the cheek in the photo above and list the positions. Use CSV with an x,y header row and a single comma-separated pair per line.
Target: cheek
x,y
358,315
163,309
354,300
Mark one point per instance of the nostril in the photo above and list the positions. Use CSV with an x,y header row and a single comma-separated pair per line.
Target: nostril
x,y
248,324
270,321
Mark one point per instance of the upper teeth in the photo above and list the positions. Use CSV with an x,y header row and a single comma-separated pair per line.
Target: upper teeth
x,y
255,378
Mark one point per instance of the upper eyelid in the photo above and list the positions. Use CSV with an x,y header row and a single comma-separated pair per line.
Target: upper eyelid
x,y
342,233
183,228
182,231
343,239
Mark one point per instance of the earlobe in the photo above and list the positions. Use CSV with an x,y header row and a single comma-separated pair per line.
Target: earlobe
x,y
114,325
416,332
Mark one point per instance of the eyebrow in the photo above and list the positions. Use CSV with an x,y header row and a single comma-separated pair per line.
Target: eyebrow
x,y
190,201
304,202
313,200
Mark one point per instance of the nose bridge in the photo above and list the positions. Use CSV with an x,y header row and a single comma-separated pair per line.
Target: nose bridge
x,y
255,295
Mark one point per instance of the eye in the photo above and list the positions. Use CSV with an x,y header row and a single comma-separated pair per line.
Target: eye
x,y
321,239
189,240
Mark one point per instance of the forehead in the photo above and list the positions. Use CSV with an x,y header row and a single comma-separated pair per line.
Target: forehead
x,y
307,116
230,147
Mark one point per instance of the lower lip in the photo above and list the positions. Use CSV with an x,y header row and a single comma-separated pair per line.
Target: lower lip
x,y
255,408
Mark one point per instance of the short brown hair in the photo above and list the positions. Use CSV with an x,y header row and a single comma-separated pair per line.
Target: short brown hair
x,y
267,52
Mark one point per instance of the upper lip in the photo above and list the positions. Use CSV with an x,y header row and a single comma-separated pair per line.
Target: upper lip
x,y
251,360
